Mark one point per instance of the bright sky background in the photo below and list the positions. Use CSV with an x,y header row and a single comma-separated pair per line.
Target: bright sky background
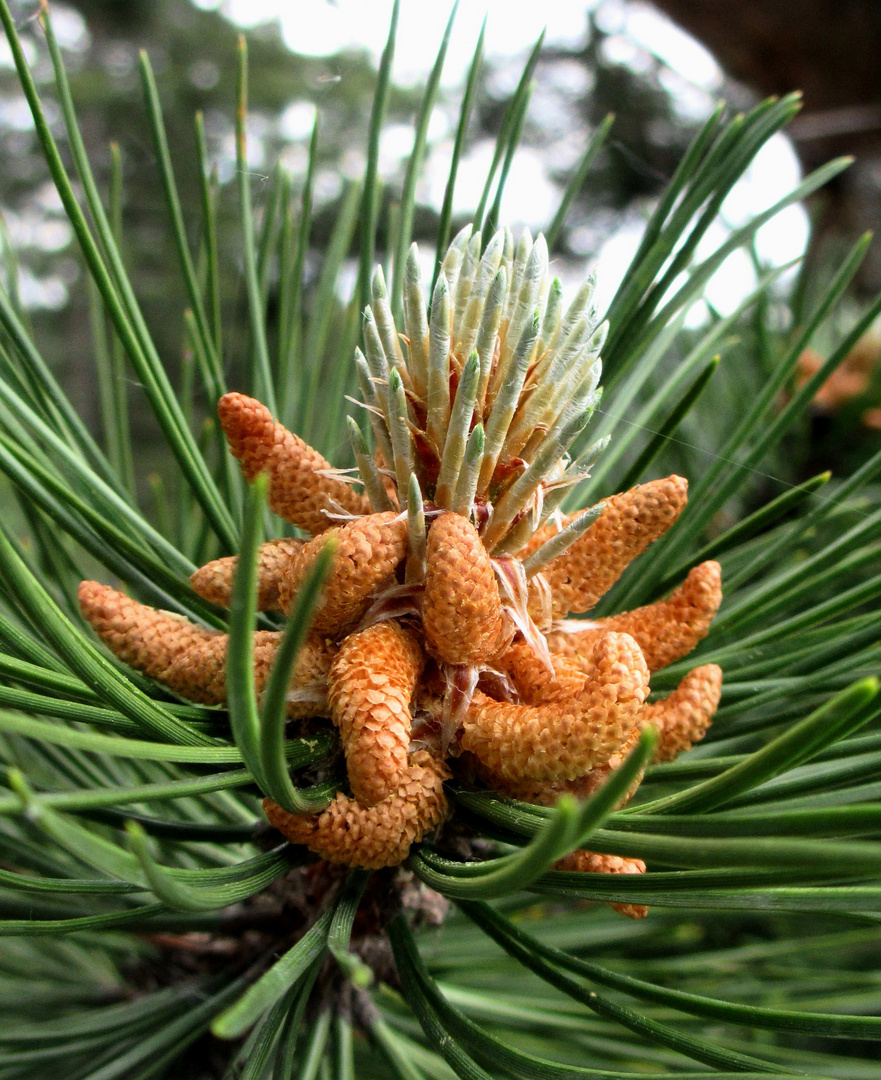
x,y
319,27
324,27
637,34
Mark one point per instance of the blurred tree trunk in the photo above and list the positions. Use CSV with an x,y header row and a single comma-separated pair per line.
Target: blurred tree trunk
x,y
831,51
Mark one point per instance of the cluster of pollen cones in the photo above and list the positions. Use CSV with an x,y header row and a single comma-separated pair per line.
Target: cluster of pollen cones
x,y
443,640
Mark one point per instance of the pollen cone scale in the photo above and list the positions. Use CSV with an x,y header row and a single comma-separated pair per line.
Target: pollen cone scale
x,y
368,550
461,594
682,718
590,862
214,581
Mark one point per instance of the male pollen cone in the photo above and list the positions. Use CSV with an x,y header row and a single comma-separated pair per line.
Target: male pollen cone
x,y
214,581
370,685
368,551
371,837
461,608
189,659
562,740
683,717
534,684
547,792
153,641
630,522
590,862
666,630
298,490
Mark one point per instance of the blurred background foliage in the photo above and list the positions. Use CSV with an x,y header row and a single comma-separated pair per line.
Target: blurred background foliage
x,y
192,52
578,81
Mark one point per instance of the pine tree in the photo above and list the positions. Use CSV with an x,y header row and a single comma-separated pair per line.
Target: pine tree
x,y
155,923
